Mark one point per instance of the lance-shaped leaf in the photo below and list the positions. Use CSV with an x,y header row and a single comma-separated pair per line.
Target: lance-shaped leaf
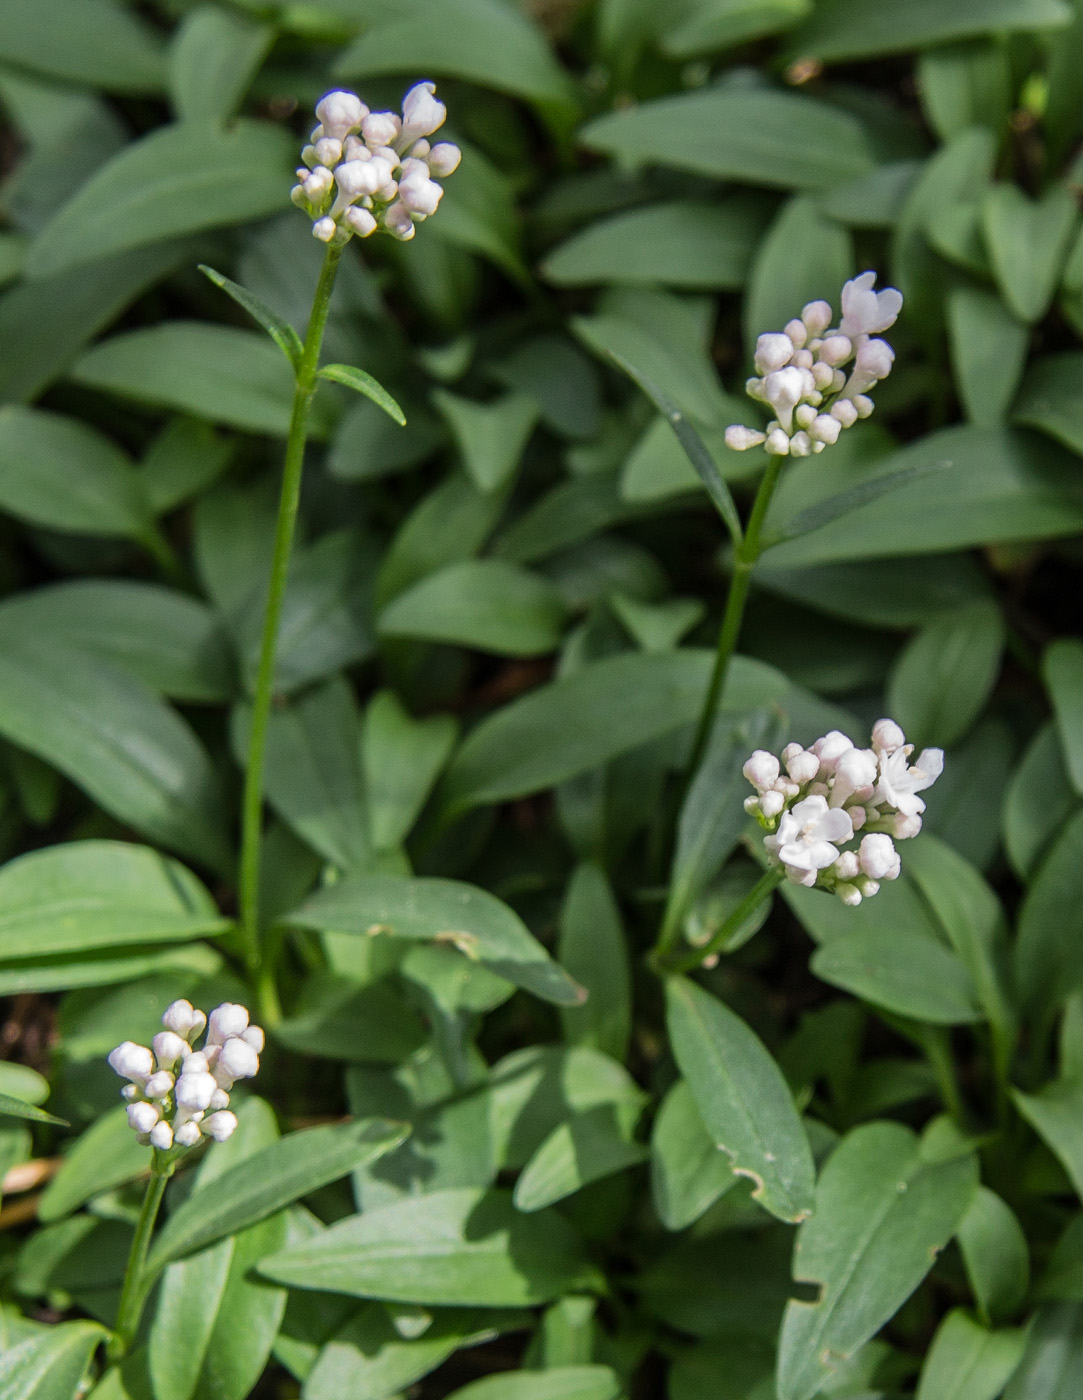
x,y
882,1213
363,383
695,448
271,1179
441,911
50,1364
815,517
744,1102
280,331
16,1108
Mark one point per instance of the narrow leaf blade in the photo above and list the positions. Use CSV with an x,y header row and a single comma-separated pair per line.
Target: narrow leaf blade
x,y
280,331
363,383
815,517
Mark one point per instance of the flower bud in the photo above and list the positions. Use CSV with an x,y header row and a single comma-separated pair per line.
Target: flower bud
x,y
132,1061
219,1099
822,375
777,443
420,195
237,1061
836,350
328,151
444,158
772,803
817,316
340,113
803,767
359,221
324,229
849,894
318,184
844,412
182,1018
169,1047
186,1134
219,1126
226,1020
847,866
161,1137
422,113
360,177
159,1085
804,415
143,1116
887,736
878,857
398,221
800,445
381,129
761,769
797,332
857,768
863,404
740,439
824,428
773,351
254,1036
195,1091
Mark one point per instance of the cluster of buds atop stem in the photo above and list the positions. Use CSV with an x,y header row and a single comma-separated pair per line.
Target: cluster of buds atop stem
x,y
366,170
801,374
816,800
178,1094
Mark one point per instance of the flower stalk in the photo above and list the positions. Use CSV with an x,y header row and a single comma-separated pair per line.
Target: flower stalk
x,y
133,1291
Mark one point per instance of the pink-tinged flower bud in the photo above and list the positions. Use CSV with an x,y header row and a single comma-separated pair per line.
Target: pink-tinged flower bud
x,y
771,804
825,429
836,350
822,375
904,827
186,1134
803,359
931,763
878,857
887,736
797,332
740,439
816,316
399,222
830,748
444,158
131,1061
847,866
169,1047
161,1137
219,1126
777,443
381,129
773,351
359,221
422,113
761,769
130,1092
339,113
803,767
143,1116
863,404
858,816
844,412
420,195
856,768
159,1085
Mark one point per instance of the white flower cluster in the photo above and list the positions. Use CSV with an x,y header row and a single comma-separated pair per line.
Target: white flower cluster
x,y
801,375
178,1094
817,799
367,170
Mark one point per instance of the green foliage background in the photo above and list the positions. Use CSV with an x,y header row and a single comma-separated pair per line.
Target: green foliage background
x,y
496,644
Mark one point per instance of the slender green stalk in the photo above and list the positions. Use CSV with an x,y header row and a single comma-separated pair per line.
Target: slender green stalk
x,y
133,1292
747,553
937,1046
663,957
252,808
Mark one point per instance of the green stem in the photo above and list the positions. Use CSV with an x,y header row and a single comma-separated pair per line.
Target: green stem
x,y
252,809
133,1292
937,1049
671,929
746,555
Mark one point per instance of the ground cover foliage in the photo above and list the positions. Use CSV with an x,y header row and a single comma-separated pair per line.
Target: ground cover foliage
x,y
465,1178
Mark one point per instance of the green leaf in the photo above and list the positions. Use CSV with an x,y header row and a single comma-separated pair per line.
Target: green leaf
x,y
271,1179
554,1383
711,26
998,485
757,137
840,30
50,1365
104,969
745,1103
486,604
89,42
335,1019
491,437
99,894
583,720
442,911
61,473
882,1213
911,976
587,1147
163,638
1039,801
401,757
1049,398
461,1247
177,180
106,1155
853,498
1062,670
966,1362
964,85
805,256
221,373
483,41
593,949
683,243
703,464
1052,1365
45,323
988,352
688,1172
996,1256
119,742
365,384
16,1108
1028,242
1049,947
280,331
212,60
1056,1115
943,677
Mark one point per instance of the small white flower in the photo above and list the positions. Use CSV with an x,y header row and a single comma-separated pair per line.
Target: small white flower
x,y
797,332
900,782
878,857
807,833
865,311
422,113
